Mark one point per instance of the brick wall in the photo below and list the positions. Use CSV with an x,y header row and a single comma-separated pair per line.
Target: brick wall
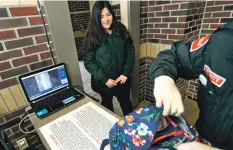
x,y
80,21
117,11
23,42
23,48
163,22
80,16
78,5
79,46
216,14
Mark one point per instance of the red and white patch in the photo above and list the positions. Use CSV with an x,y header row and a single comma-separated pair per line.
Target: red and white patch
x,y
199,43
214,78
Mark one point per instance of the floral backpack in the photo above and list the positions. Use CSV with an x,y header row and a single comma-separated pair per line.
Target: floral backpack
x,y
144,129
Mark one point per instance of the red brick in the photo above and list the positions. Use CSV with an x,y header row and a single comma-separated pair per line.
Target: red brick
x,y
7,34
215,8
42,39
215,20
162,13
35,49
4,66
180,31
155,8
221,14
24,60
149,35
223,2
178,25
160,36
179,13
41,64
153,30
215,26
7,83
207,15
170,19
10,54
163,25
143,36
184,6
176,37
205,26
12,23
169,31
30,31
23,11
45,55
190,35
196,33
150,14
182,19
171,7
151,3
155,20
18,43
36,20
210,3
14,72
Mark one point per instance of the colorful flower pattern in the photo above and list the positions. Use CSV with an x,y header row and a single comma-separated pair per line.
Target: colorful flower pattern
x,y
136,128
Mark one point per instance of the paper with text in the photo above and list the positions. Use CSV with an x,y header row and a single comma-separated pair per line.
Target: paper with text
x,y
81,129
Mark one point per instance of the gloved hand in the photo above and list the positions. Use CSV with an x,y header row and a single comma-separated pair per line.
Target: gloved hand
x,y
168,96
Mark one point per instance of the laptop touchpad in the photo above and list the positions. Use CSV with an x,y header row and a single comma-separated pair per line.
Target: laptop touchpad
x,y
57,106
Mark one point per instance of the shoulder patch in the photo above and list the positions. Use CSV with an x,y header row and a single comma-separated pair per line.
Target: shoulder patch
x,y
199,43
214,78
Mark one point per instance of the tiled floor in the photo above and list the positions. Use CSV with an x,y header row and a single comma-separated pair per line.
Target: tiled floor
x,y
191,108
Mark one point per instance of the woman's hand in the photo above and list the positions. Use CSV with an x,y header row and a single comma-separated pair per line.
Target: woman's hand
x,y
122,79
195,146
111,83
168,96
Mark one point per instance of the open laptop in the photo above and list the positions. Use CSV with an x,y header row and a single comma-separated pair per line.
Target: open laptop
x,y
49,90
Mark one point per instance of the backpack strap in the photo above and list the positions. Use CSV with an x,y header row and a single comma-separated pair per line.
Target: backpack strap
x,y
105,142
175,133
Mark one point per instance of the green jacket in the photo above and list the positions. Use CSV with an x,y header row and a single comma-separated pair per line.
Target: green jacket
x,y
110,60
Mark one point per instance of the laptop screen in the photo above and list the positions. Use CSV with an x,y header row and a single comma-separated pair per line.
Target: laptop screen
x,y
42,83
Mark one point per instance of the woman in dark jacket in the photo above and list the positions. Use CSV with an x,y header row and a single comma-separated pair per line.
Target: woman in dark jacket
x,y
109,57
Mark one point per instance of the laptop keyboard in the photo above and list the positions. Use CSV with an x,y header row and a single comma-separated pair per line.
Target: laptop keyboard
x,y
53,100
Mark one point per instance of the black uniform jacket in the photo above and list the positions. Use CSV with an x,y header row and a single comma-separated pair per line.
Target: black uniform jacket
x,y
211,60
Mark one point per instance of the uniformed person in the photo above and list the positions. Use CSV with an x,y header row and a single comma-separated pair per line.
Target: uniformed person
x,y
211,60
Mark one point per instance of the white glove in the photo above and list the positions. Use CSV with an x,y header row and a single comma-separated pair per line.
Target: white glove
x,y
168,96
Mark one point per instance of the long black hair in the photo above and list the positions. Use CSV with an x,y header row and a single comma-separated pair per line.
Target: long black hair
x,y
95,32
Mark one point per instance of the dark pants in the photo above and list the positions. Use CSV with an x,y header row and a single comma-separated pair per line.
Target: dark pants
x,y
122,92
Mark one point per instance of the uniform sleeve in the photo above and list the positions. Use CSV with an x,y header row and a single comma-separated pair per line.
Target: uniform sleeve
x,y
93,68
129,62
185,59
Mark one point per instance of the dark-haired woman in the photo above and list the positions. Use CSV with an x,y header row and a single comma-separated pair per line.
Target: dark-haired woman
x,y
109,57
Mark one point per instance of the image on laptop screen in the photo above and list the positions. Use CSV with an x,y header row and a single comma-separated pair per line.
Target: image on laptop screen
x,y
45,82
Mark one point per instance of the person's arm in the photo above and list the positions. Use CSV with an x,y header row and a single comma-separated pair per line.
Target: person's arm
x,y
129,62
93,68
184,59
